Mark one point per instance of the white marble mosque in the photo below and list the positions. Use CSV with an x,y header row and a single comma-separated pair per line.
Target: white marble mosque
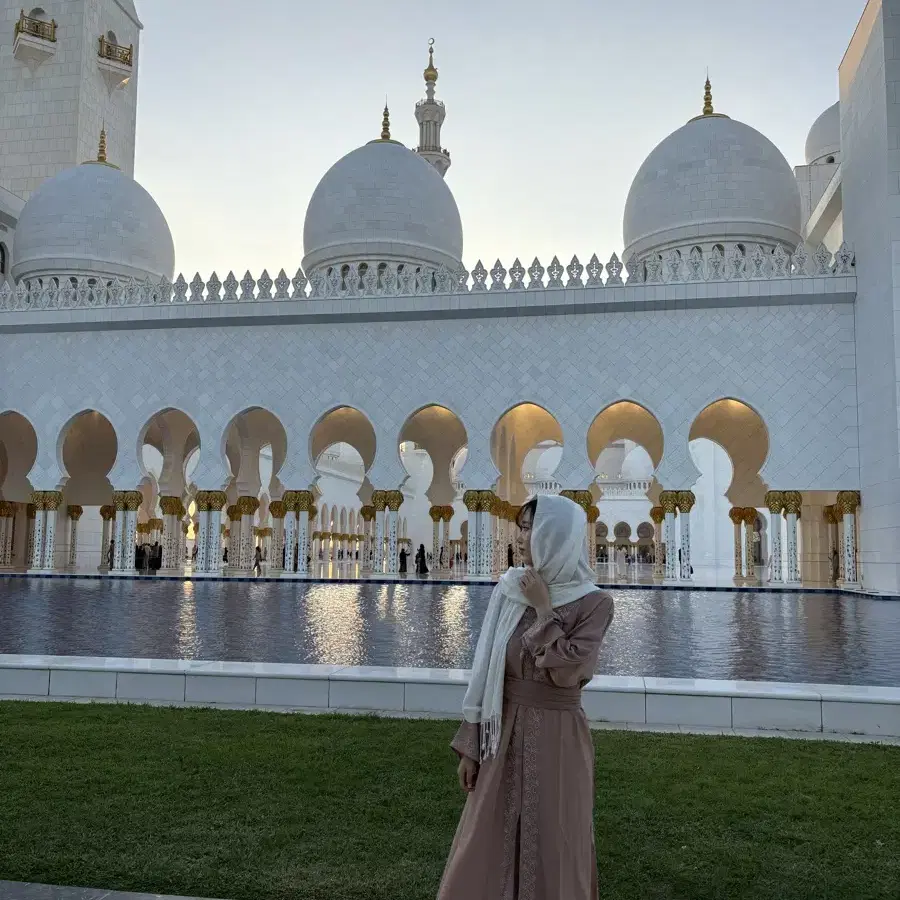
x,y
721,398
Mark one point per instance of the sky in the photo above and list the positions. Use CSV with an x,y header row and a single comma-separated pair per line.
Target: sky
x,y
551,108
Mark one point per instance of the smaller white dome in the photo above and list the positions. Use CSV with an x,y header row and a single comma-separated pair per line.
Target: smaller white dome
x,y
382,201
824,139
92,220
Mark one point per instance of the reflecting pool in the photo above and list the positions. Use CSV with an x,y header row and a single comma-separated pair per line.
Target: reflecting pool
x,y
697,634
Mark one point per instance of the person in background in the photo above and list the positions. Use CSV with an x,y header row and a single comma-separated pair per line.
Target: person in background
x,y
421,567
257,560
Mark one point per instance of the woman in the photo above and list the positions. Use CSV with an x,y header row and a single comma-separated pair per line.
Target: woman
x,y
526,758
403,555
421,568
621,563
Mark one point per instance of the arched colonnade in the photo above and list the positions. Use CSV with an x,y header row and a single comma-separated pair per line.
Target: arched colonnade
x,y
215,524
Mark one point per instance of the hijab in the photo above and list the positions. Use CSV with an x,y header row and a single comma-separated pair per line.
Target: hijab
x,y
560,557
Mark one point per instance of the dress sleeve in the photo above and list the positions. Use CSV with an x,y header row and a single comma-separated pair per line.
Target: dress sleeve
x,y
570,656
465,742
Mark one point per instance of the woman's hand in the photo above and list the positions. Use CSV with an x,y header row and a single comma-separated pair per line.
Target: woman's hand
x,y
468,772
535,590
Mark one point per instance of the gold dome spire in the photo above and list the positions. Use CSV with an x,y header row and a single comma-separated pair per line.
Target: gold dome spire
x,y
101,159
708,110
386,124
431,73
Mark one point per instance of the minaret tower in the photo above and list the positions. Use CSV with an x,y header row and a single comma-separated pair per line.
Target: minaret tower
x,y
430,114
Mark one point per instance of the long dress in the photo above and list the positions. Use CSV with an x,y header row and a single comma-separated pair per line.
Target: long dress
x,y
621,564
526,831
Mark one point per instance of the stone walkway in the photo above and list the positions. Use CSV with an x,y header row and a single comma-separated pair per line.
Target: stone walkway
x,y
20,890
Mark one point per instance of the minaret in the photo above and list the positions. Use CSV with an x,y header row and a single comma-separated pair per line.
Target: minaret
x,y
430,114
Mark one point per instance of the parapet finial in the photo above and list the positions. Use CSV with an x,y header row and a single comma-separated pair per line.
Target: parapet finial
x,y
101,150
386,124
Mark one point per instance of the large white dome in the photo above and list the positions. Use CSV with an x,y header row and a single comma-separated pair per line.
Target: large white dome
x,y
92,220
714,179
382,202
824,140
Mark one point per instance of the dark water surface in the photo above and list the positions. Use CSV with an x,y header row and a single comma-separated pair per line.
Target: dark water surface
x,y
697,634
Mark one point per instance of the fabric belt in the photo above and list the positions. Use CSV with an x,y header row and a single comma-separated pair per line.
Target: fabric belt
x,y
526,692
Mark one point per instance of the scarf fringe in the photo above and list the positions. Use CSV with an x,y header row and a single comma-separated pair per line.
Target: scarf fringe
x,y
490,737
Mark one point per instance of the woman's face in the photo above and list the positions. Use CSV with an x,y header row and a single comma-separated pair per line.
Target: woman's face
x,y
524,537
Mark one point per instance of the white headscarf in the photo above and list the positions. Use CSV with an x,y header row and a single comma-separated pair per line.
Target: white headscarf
x,y
560,557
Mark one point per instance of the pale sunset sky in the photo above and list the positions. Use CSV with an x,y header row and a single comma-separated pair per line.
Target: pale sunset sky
x,y
551,108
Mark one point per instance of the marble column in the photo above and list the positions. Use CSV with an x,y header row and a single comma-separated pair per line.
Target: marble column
x,y
379,501
247,506
133,500
276,508
74,513
775,505
394,500
368,514
669,502
107,514
435,515
215,503
118,531
36,559
234,536
52,503
736,514
658,515
7,518
203,538
686,501
793,500
472,500
305,500
593,515
846,506
830,515
485,532
172,554
446,516
290,501
750,517
31,513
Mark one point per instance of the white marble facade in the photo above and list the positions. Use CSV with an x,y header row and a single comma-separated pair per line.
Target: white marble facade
x,y
776,316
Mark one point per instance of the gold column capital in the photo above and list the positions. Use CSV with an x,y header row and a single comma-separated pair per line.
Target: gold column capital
x,y
436,513
793,500
379,500
248,505
657,515
736,514
472,500
775,502
277,510
686,501
75,512
848,502
668,500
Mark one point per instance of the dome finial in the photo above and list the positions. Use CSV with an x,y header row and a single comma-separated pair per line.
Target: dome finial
x,y
707,98
101,150
431,73
386,123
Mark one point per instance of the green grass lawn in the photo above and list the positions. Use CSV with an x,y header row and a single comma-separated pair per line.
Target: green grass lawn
x,y
261,805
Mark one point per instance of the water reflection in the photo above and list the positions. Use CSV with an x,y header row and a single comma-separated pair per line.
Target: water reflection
x,y
701,634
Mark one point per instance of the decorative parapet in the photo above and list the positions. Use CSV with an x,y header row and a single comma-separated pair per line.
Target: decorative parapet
x,y
366,280
38,28
116,53
34,41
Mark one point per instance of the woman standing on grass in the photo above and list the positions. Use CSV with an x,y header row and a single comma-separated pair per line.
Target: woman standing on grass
x,y
526,758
